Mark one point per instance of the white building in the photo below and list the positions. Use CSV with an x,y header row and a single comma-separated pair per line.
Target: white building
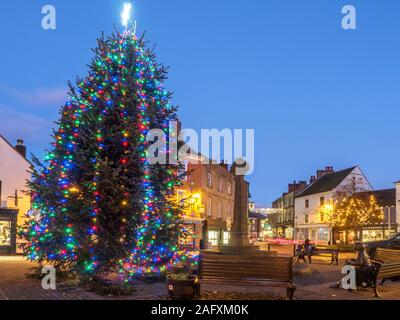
x,y
310,221
14,202
398,202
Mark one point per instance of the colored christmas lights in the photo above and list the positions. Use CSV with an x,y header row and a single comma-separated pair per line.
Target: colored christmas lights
x,y
101,206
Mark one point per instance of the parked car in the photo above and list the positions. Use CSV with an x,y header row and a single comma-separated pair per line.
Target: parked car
x,y
392,242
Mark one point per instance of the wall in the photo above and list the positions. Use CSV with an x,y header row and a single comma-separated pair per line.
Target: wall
x,y
13,175
398,203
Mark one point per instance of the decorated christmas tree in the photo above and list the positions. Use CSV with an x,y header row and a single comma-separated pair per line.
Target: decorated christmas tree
x,y
99,206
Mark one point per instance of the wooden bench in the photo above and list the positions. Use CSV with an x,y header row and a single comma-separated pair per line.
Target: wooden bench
x,y
320,251
247,270
333,253
390,266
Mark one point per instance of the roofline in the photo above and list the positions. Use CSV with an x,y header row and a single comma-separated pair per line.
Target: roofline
x,y
300,195
365,177
6,141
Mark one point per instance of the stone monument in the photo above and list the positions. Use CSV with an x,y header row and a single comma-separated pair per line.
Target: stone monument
x,y
239,239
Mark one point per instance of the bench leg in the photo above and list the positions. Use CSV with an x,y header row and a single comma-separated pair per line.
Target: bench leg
x,y
290,291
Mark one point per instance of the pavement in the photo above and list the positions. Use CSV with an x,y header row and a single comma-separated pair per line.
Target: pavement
x,y
313,283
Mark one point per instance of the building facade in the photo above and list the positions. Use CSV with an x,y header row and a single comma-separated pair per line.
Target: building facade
x,y
209,189
314,204
386,200
14,200
283,226
398,202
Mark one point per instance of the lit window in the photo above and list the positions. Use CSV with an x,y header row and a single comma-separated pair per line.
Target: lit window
x,y
5,233
213,237
226,237
323,234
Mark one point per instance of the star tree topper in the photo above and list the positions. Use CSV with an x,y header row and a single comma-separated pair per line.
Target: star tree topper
x,y
130,27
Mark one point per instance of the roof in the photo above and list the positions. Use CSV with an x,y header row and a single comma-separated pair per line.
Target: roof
x,y
12,147
257,215
385,198
327,182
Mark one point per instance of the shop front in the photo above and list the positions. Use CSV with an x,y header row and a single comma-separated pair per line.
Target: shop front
x,y
218,232
365,234
8,231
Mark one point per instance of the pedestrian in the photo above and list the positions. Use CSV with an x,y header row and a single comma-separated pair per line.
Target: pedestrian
x,y
308,249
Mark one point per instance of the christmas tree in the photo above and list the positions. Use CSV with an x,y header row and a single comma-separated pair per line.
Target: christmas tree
x,y
99,206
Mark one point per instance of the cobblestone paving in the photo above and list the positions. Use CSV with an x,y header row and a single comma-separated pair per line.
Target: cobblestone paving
x,y
313,283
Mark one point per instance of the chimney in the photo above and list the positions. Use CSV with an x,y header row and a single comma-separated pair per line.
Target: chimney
x,y
329,170
295,186
21,148
312,179
224,165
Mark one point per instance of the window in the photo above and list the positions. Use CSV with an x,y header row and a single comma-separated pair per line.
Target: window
x,y
5,233
209,179
321,201
226,237
229,210
229,187
307,203
182,172
322,216
220,185
213,237
209,210
220,209
323,234
306,218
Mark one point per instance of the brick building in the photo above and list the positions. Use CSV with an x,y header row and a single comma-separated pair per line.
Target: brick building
x,y
209,192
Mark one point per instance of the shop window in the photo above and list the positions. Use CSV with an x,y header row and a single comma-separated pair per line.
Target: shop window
x,y
323,234
213,237
226,237
5,233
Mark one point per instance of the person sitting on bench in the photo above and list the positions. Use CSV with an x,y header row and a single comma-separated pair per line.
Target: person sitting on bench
x,y
305,250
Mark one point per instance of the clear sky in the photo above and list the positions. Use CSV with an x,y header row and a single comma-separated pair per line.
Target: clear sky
x,y
316,94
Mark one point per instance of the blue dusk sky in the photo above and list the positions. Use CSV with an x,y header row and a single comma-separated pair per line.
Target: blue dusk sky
x,y
316,95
